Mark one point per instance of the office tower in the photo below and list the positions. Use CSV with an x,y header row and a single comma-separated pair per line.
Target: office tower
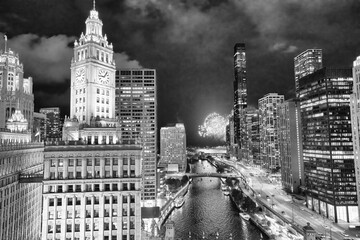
x,y
173,148
327,144
355,121
240,91
253,136
15,90
92,183
305,63
53,123
39,126
269,144
20,195
290,145
136,107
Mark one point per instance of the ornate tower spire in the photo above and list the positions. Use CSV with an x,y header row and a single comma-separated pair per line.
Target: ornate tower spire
x,y
94,5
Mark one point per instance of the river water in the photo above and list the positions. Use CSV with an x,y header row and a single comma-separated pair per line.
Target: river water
x,y
207,211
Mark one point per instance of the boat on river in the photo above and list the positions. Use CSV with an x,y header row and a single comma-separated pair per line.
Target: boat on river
x,y
244,216
179,202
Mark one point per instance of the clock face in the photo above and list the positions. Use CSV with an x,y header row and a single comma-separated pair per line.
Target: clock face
x,y
80,75
104,76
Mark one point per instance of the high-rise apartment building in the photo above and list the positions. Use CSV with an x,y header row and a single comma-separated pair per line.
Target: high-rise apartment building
x,y
252,147
305,63
15,90
240,92
290,145
327,144
355,122
173,147
136,108
92,182
269,144
20,201
53,123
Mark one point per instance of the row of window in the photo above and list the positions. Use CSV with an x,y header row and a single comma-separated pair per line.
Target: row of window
x,y
90,187
92,162
92,200
89,227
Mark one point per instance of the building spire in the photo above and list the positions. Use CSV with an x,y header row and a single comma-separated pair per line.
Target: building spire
x,y
94,5
5,38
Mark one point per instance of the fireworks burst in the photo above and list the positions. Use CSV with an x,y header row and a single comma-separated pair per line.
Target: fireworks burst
x,y
214,126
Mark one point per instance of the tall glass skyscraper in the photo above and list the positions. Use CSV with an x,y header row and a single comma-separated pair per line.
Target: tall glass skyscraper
x,y
240,92
305,63
327,144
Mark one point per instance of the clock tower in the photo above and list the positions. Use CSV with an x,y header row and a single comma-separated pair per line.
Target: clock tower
x,y
92,74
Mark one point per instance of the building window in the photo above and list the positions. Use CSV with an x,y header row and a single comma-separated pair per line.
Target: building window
x,y
89,162
70,188
98,91
78,175
97,161
107,161
53,163
50,228
51,202
77,227
88,200
96,213
68,227
114,187
96,200
125,199
96,187
88,213
71,162
115,161
78,162
132,186
77,188
125,186
59,202
58,228
78,201
70,201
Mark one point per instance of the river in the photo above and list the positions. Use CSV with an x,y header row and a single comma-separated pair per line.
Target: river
x,y
207,211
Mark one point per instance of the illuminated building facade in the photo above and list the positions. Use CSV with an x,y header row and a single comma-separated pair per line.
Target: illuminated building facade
x,y
269,144
355,121
20,202
252,146
173,147
16,91
305,63
290,145
39,126
327,144
240,92
136,108
92,182
92,74
92,191
53,123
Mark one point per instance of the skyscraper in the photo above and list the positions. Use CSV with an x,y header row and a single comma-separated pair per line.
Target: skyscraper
x,y
290,145
252,147
20,201
173,147
53,123
136,108
240,91
92,182
39,126
15,90
327,144
305,63
269,144
355,121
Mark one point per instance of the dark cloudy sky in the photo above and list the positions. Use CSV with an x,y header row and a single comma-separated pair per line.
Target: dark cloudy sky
x,y
189,43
